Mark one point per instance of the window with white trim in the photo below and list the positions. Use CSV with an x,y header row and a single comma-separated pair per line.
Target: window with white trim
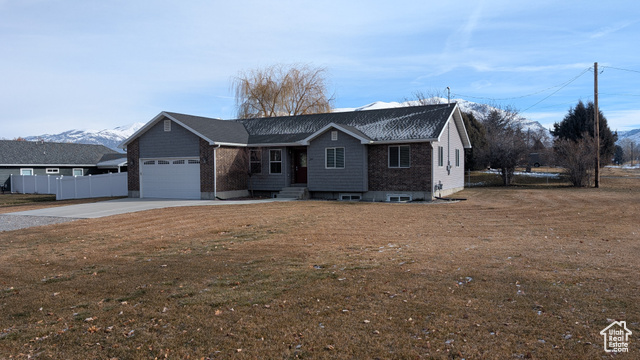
x,y
26,172
440,156
457,157
350,197
53,171
78,172
167,125
334,136
399,156
255,161
398,197
334,158
275,161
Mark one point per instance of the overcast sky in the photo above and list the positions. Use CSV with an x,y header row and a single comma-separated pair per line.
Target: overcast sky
x,y
99,64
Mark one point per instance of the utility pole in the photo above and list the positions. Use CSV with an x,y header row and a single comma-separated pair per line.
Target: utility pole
x,y
596,120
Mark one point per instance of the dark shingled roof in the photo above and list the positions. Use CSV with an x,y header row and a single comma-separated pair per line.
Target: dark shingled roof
x,y
412,123
403,123
214,129
49,153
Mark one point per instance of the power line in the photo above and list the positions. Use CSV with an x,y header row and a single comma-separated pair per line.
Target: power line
x,y
562,87
621,69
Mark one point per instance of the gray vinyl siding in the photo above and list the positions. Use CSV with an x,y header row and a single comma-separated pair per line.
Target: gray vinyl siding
x,y
450,140
271,182
352,178
179,142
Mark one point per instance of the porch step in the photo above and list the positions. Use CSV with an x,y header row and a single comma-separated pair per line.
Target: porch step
x,y
299,193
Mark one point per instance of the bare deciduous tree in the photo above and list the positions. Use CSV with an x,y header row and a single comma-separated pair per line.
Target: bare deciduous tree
x,y
281,90
575,157
506,144
630,150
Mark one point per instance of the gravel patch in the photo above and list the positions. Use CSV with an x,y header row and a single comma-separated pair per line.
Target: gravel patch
x,y
15,222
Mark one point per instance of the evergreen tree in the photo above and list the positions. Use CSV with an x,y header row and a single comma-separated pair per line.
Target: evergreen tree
x,y
579,122
478,137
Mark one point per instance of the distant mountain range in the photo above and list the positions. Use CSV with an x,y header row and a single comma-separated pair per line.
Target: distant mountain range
x,y
634,135
112,138
109,138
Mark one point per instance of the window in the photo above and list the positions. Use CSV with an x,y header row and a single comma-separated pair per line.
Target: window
x,y
457,157
398,197
334,158
26,172
440,156
350,197
334,136
255,161
53,171
167,125
78,172
275,161
399,156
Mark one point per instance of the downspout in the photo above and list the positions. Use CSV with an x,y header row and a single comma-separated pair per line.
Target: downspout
x,y
215,174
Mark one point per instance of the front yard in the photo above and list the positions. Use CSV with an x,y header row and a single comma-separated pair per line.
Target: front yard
x,y
519,272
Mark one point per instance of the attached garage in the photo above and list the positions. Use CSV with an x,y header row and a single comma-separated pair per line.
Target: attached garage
x,y
170,178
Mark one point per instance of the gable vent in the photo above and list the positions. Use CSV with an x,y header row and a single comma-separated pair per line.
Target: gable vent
x,y
167,125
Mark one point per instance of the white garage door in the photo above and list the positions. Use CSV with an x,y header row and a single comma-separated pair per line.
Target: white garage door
x,y
170,178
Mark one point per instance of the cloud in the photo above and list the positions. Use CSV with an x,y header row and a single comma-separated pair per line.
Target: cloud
x,y
607,30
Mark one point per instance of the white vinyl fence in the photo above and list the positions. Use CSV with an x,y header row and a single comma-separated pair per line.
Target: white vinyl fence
x,y
71,187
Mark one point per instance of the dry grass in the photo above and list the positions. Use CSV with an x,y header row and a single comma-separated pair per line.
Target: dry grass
x,y
509,273
24,202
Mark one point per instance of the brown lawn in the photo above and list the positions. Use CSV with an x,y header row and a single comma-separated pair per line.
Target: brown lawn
x,y
520,272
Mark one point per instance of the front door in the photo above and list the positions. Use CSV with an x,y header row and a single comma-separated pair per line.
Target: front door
x,y
300,164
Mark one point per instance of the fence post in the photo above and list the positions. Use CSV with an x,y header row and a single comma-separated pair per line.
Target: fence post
x,y
90,187
75,187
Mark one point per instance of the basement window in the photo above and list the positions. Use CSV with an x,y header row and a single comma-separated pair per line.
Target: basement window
x,y
53,171
398,197
350,197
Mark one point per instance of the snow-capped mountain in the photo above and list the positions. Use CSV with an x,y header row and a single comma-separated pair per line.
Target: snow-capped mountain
x,y
633,135
109,138
478,110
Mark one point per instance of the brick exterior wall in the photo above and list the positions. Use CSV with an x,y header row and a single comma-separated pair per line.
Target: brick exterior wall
x,y
133,166
233,168
206,167
232,164
415,178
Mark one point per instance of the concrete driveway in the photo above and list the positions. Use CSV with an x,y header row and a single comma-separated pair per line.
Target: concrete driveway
x,y
127,205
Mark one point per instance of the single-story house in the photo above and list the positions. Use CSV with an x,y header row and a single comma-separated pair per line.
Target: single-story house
x,y
50,158
397,154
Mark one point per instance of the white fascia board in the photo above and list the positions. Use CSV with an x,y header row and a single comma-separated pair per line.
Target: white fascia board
x,y
336,126
48,165
224,143
299,143
456,115
409,141
142,130
163,115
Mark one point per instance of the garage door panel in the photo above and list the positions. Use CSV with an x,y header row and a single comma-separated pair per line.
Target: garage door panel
x,y
170,178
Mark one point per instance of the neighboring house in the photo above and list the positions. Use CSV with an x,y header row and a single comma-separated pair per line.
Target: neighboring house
x,y
48,158
398,154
